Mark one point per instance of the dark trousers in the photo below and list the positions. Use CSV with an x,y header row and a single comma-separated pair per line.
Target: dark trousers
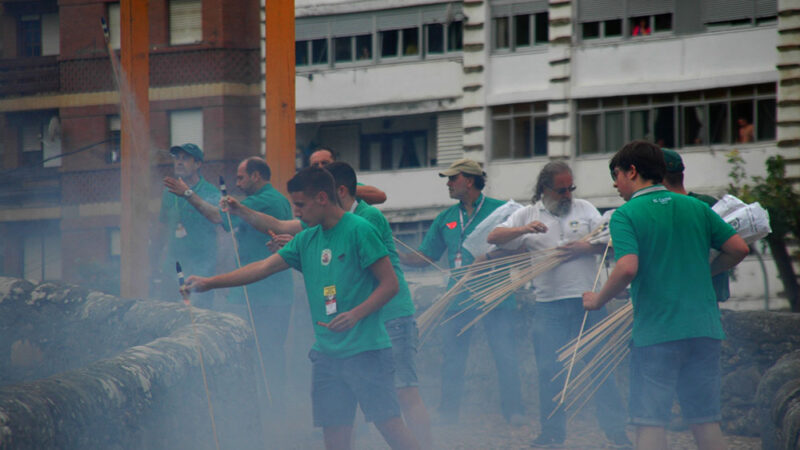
x,y
554,324
499,327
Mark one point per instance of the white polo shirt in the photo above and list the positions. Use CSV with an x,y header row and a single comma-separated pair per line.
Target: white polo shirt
x,y
574,277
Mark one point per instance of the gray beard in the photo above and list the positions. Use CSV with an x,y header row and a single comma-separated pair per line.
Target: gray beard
x,y
558,208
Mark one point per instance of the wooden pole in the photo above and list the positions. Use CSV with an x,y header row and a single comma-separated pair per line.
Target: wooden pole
x,y
279,88
135,173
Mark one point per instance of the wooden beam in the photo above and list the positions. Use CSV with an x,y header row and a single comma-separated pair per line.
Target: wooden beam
x,y
279,88
135,176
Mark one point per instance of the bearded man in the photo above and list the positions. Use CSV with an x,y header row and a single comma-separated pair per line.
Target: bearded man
x,y
555,219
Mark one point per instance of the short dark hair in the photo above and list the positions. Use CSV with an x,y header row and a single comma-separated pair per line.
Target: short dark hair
x,y
645,156
673,178
312,181
479,181
256,164
343,175
546,176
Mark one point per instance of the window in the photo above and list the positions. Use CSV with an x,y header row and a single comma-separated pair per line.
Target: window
x,y
519,26
716,14
628,19
519,130
389,151
114,25
186,127
31,143
384,35
114,134
724,116
185,22
30,35
42,254
114,245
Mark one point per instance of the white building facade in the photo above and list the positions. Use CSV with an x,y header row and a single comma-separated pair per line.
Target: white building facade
x,y
400,89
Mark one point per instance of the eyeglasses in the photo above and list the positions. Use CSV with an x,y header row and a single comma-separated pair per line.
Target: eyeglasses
x,y
615,173
562,191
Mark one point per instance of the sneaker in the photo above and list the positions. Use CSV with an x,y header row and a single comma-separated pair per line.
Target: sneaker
x,y
517,420
547,441
618,439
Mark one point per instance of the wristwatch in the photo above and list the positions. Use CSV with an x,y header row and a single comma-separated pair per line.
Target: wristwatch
x,y
188,193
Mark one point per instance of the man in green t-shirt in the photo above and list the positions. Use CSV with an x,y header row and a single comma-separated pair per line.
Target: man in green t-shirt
x,y
465,181
661,243
673,180
397,315
186,235
270,300
348,277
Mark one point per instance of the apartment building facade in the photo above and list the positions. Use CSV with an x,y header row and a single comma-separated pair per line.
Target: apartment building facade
x,y
401,89
60,125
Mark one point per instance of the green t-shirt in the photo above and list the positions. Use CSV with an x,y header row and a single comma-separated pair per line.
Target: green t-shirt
x,y
720,280
448,231
401,304
336,262
191,238
672,235
277,289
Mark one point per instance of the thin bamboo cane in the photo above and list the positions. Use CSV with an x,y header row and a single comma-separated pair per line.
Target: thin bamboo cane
x,y
583,324
249,309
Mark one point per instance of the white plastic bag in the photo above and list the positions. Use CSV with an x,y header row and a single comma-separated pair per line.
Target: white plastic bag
x,y
727,204
476,243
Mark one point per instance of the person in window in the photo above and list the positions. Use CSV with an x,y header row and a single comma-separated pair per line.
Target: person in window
x,y
745,130
642,28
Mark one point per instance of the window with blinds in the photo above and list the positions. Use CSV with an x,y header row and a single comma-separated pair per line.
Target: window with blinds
x,y
186,126
185,21
630,19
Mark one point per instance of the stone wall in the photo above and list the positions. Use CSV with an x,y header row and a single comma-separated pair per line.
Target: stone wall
x,y
81,369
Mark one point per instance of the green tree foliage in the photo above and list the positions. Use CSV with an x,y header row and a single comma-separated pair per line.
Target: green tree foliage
x,y
777,195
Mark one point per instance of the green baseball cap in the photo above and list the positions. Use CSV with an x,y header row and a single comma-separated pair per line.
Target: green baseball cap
x,y
191,149
465,165
673,161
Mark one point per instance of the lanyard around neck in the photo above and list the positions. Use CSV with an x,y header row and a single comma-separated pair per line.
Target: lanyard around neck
x,y
464,226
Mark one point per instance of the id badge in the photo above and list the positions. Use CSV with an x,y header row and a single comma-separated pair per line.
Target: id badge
x,y
457,260
330,299
180,231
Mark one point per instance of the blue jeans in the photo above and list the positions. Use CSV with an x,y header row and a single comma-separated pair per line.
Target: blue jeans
x,y
405,339
554,324
688,367
499,326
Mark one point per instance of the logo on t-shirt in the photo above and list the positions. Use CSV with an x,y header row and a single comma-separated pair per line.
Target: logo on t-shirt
x,y
662,200
451,225
326,257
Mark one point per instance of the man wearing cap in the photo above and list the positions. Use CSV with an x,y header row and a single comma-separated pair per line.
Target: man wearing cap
x,y
673,181
557,220
187,236
465,181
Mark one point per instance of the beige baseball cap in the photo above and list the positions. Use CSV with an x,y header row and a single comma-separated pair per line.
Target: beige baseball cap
x,y
465,165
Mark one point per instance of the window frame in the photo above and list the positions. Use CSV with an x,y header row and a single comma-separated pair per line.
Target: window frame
x,y
536,110
701,98
510,16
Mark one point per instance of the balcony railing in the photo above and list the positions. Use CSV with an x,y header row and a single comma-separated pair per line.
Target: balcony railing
x,y
31,75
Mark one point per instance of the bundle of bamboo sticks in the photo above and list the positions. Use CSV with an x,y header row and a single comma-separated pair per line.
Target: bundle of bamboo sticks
x,y
487,283
605,345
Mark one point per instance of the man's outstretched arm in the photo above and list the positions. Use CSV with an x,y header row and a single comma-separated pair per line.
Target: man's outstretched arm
x,y
258,220
250,273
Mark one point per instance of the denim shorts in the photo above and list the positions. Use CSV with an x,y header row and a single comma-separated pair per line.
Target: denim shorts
x,y
405,338
688,367
338,385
